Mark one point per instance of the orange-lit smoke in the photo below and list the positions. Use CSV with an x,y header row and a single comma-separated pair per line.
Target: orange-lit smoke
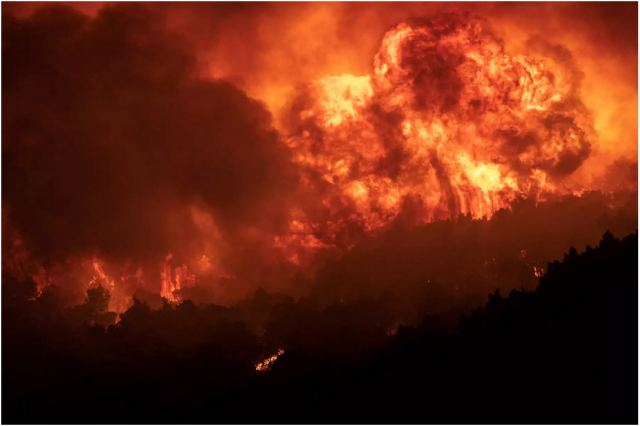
x,y
448,120
367,116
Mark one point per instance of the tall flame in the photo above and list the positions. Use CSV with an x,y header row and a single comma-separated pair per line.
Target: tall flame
x,y
448,120
173,279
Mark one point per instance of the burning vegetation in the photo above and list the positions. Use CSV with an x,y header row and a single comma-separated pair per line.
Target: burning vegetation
x,y
265,364
449,122
207,185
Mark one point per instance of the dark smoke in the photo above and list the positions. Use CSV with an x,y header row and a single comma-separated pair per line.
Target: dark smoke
x,y
110,139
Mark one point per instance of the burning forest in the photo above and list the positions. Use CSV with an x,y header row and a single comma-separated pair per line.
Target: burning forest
x,y
331,207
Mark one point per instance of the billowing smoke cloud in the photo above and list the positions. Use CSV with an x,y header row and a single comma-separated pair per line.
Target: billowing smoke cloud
x,y
126,164
112,147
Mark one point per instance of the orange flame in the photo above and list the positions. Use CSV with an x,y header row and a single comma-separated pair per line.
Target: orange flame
x,y
448,118
174,279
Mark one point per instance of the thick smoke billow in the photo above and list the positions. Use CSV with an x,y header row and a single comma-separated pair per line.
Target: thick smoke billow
x,y
127,166
112,148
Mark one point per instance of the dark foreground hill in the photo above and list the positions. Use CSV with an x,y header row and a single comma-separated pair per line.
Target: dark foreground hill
x,y
566,352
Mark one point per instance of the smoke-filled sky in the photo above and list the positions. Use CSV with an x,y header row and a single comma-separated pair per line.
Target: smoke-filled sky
x,y
225,147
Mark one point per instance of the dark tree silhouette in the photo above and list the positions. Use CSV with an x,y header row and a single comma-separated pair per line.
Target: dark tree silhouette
x,y
565,352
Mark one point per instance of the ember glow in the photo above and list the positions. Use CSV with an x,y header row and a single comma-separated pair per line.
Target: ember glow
x,y
265,364
215,171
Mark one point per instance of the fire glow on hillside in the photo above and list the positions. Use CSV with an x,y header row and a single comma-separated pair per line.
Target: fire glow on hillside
x,y
180,190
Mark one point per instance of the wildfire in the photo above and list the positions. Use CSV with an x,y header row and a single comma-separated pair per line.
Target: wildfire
x,y
173,279
343,96
447,122
265,364
448,119
100,277
538,271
